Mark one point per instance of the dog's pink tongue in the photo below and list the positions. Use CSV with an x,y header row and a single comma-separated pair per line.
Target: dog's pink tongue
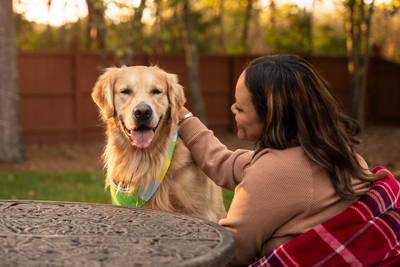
x,y
142,138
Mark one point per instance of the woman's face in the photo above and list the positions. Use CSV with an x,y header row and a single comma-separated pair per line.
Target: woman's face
x,y
247,120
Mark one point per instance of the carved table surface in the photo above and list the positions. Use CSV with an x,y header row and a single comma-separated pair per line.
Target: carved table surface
x,y
44,233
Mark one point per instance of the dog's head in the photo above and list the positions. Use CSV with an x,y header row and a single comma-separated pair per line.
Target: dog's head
x,y
140,98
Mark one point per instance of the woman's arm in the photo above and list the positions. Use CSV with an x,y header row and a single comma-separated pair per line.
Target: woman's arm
x,y
223,166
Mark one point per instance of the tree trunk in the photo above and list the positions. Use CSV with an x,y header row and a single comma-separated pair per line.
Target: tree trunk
x,y
366,51
11,146
156,42
310,24
358,26
271,29
48,43
97,27
192,63
221,44
272,18
135,34
91,30
245,33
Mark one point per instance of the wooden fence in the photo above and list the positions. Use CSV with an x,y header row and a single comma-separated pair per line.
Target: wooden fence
x,y
56,105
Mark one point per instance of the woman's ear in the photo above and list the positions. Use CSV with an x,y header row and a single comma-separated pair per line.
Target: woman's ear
x,y
176,96
103,92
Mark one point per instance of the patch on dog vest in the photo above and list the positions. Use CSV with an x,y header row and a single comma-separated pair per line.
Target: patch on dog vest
x,y
125,196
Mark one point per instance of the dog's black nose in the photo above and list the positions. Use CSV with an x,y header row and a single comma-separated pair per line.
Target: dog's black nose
x,y
142,112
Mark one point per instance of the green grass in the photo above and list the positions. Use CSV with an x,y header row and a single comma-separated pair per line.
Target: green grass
x,y
78,186
228,195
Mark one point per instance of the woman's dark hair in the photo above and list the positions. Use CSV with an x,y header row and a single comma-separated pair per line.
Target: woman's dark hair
x,y
298,106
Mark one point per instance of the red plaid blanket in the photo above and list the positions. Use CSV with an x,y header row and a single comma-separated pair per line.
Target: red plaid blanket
x,y
366,234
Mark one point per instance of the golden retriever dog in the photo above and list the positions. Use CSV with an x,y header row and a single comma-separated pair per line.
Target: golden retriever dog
x,y
140,107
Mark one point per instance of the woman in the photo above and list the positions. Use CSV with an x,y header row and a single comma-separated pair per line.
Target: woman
x,y
304,168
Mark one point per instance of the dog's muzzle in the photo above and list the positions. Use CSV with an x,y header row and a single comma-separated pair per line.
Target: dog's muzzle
x,y
142,135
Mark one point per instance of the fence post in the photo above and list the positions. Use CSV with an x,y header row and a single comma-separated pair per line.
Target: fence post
x,y
76,69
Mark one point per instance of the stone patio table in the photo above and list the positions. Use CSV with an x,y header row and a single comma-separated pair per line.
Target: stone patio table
x,y
45,233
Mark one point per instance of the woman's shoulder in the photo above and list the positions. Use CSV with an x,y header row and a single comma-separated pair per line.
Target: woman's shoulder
x,y
288,164
288,156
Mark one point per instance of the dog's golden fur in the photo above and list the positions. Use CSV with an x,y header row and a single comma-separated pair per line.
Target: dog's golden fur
x,y
185,189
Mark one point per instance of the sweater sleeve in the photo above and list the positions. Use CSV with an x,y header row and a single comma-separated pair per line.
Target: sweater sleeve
x,y
223,166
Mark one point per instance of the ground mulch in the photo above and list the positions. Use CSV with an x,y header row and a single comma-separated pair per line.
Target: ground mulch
x,y
380,147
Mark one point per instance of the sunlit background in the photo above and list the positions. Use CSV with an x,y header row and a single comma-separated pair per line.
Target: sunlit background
x,y
62,11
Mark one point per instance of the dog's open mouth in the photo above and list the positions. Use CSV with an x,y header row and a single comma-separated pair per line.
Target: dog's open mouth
x,y
141,136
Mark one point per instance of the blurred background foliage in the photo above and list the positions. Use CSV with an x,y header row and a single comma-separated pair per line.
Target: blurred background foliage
x,y
225,27
221,27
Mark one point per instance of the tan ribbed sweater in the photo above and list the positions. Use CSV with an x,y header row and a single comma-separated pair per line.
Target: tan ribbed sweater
x,y
279,195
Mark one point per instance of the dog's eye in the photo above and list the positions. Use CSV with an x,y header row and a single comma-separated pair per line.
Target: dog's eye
x,y
126,92
155,92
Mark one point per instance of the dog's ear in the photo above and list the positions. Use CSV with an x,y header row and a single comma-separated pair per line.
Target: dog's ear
x,y
176,96
103,92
